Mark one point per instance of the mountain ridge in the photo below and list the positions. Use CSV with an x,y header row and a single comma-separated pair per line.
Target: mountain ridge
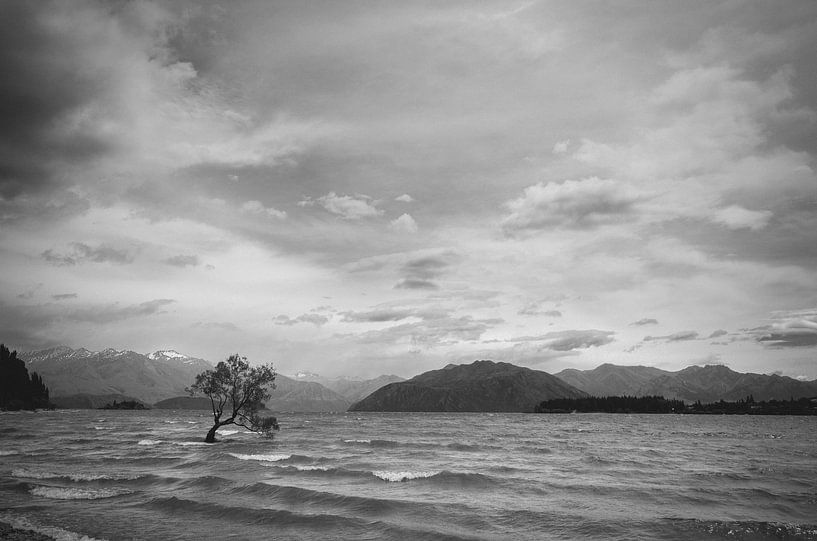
x,y
480,386
709,383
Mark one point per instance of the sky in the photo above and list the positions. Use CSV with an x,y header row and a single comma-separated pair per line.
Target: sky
x,y
363,187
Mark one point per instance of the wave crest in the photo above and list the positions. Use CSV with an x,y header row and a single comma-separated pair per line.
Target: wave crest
x,y
262,458
73,493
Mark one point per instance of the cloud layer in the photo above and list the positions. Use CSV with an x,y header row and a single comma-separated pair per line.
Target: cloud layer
x,y
545,183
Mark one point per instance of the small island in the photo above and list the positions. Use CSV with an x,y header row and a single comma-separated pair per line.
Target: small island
x,y
124,405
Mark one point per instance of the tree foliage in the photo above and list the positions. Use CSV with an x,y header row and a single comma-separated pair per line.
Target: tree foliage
x,y
18,390
237,392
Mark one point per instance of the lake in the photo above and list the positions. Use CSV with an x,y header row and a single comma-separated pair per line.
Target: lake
x,y
98,474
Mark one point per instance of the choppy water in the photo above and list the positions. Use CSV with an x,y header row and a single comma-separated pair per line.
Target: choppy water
x,y
146,475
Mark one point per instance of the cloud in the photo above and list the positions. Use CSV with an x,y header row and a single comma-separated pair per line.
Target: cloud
x,y
587,203
413,283
405,198
346,206
404,224
64,296
536,309
681,336
561,146
644,321
29,293
316,319
381,315
215,326
795,329
420,272
570,340
735,217
114,312
182,261
718,333
256,207
430,333
81,253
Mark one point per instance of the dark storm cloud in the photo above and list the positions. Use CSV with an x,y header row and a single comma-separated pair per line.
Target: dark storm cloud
x,y
32,327
43,83
420,273
64,296
182,261
81,253
794,329
790,339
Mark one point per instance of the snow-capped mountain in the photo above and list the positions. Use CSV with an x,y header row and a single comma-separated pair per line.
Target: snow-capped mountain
x,y
171,355
148,378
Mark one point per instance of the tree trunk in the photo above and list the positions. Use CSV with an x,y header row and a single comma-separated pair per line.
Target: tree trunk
x,y
211,436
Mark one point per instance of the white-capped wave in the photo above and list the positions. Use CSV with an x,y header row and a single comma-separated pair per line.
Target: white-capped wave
x,y
74,493
189,443
103,428
313,468
229,432
397,476
31,474
149,442
8,452
263,458
357,441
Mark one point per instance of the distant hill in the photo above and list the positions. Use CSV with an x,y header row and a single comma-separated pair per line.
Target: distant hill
x,y
89,401
714,383
350,388
288,395
184,403
480,386
306,396
611,380
114,373
705,383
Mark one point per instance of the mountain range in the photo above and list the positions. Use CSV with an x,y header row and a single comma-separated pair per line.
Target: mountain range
x,y
79,378
114,373
480,386
705,383
86,379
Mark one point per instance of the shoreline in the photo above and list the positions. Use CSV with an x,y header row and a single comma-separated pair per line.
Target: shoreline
x,y
12,533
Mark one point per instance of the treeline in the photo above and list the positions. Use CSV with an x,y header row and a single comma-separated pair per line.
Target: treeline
x,y
124,405
18,390
659,404
799,406
611,404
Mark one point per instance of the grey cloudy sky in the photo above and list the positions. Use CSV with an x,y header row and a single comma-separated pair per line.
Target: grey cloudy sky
x,y
386,187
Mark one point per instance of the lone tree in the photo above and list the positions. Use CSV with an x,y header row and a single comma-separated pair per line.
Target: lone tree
x,y
238,391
